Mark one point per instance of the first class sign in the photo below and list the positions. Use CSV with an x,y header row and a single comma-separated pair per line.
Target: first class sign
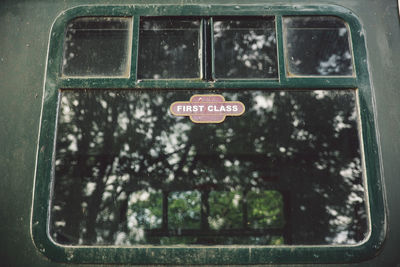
x,y
207,108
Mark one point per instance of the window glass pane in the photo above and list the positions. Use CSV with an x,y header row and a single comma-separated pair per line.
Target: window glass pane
x,y
169,48
97,46
255,209
144,209
265,209
317,46
184,210
287,171
245,48
225,210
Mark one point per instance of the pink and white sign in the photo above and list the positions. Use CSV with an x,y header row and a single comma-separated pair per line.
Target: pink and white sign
x,y
207,108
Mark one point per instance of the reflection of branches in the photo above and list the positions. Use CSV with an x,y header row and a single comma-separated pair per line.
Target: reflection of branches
x,y
318,46
245,51
278,144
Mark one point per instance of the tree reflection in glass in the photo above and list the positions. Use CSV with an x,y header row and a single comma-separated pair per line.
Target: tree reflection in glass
x,y
97,46
288,171
245,48
317,45
169,48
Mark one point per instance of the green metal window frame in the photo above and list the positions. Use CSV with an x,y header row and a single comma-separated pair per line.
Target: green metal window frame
x,y
213,254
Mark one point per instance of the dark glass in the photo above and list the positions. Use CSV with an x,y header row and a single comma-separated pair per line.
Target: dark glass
x,y
317,46
169,48
97,46
288,171
245,48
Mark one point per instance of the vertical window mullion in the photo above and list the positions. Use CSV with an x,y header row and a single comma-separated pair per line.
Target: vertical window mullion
x,y
245,218
212,50
165,211
135,45
280,49
207,49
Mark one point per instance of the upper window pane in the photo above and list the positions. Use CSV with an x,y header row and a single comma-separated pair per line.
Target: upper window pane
x,y
245,48
169,48
317,46
97,46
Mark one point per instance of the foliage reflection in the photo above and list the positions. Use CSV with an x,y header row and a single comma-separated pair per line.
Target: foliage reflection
x,y
169,48
245,48
288,171
97,46
317,46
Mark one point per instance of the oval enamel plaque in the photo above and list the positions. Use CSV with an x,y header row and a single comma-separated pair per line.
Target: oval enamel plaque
x,y
207,108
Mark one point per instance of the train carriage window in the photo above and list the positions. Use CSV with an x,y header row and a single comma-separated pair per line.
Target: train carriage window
x,y
169,48
131,144
188,137
317,46
245,48
97,46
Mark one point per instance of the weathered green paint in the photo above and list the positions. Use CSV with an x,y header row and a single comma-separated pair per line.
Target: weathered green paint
x,y
203,255
24,36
